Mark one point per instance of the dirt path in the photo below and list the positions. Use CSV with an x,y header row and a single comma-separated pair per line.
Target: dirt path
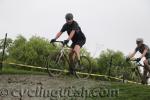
x,y
42,87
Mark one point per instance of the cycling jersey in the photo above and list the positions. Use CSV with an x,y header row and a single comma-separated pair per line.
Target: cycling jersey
x,y
141,50
78,36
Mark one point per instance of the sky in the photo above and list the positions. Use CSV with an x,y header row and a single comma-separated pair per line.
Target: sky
x,y
107,24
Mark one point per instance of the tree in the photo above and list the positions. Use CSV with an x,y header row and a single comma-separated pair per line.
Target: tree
x,y
16,50
116,67
30,52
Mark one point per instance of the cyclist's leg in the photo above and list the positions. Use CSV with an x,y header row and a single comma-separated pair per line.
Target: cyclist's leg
x,y
70,55
77,51
146,70
71,58
72,52
149,67
146,64
77,47
144,78
148,61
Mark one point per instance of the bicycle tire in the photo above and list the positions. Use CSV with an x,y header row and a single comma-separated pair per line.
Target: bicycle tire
x,y
55,66
136,76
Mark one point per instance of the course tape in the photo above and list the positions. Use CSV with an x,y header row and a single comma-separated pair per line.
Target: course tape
x,y
65,71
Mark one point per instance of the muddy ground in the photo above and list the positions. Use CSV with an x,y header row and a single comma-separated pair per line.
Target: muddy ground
x,y
43,87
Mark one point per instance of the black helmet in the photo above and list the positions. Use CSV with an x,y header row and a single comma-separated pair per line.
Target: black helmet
x,y
69,16
139,40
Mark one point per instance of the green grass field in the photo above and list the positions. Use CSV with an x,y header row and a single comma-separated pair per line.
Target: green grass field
x,y
130,92
19,70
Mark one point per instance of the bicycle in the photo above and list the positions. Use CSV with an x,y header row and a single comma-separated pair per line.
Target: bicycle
x,y
136,73
59,63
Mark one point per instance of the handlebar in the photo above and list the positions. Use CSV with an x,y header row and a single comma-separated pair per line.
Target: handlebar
x,y
131,59
62,42
135,60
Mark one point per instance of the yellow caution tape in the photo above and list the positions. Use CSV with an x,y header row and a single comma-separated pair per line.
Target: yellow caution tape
x,y
97,75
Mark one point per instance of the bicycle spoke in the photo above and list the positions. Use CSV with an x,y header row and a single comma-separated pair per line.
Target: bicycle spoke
x,y
56,66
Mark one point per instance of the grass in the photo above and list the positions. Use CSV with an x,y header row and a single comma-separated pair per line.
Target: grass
x,y
127,92
17,70
132,91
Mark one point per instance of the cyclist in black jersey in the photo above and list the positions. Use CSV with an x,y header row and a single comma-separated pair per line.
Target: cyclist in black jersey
x,y
145,51
75,34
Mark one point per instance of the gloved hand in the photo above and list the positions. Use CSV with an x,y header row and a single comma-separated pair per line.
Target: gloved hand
x,y
66,42
138,59
52,40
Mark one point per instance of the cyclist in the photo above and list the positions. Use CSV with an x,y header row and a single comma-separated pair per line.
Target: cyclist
x,y
75,34
145,51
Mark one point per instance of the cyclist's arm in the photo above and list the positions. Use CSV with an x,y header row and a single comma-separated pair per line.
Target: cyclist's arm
x,y
132,55
144,53
63,29
58,35
71,35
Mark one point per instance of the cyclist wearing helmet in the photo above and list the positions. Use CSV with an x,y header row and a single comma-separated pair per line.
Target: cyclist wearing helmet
x,y
145,51
75,34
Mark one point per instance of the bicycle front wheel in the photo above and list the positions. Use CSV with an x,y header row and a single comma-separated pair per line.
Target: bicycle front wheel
x,y
83,68
136,75
56,65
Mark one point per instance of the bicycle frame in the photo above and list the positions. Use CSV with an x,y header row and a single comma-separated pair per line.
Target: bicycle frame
x,y
138,64
62,51
74,66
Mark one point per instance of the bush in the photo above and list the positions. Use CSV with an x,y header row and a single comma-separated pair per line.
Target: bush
x,y
30,52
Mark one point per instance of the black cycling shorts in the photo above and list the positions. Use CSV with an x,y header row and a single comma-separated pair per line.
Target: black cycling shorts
x,y
79,42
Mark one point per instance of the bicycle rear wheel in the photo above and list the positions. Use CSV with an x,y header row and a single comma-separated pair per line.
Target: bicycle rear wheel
x,y
83,68
56,65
